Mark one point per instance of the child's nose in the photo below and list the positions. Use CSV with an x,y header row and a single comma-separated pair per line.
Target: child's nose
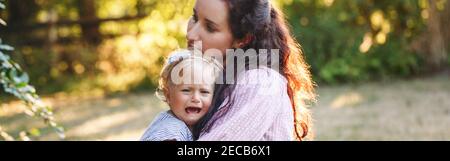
x,y
195,98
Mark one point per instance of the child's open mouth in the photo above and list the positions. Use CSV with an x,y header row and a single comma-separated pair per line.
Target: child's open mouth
x,y
193,110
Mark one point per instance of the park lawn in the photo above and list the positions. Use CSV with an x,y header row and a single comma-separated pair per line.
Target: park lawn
x,y
417,109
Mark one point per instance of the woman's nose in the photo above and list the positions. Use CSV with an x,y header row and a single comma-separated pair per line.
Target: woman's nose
x,y
193,32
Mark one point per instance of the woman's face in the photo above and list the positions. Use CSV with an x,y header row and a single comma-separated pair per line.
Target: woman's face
x,y
209,24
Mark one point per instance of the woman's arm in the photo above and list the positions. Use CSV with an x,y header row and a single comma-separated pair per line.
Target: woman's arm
x,y
259,98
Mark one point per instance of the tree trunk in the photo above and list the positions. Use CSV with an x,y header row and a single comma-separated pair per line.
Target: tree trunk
x,y
446,24
20,12
437,46
88,12
434,42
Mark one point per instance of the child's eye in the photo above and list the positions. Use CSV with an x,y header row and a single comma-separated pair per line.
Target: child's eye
x,y
185,90
205,92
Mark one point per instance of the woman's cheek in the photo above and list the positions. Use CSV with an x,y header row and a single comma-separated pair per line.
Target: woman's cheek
x,y
220,42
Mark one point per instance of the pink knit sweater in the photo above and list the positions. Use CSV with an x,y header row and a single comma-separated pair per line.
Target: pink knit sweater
x,y
261,111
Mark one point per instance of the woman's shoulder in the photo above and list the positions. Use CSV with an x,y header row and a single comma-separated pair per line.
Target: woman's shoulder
x,y
261,75
262,82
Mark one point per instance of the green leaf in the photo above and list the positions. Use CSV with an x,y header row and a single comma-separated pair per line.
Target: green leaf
x,y
60,131
2,6
35,132
24,78
21,85
12,74
6,47
3,57
6,65
2,22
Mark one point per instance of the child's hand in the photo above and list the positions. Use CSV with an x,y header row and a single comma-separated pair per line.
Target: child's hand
x,y
177,55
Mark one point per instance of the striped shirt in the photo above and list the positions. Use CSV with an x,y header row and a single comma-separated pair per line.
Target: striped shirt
x,y
167,127
261,111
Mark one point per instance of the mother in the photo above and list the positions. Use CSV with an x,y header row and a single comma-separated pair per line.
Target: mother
x,y
244,110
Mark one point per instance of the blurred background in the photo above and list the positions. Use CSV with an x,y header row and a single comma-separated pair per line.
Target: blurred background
x,y
382,67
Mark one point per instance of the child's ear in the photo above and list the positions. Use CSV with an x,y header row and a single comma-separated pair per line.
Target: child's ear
x,y
166,95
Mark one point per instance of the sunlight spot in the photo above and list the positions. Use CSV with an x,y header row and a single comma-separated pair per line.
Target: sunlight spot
x,y
366,44
346,100
114,102
328,3
377,19
105,66
79,68
42,16
103,123
381,38
11,108
425,15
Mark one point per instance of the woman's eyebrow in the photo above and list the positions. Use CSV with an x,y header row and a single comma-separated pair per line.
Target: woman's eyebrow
x,y
211,23
208,21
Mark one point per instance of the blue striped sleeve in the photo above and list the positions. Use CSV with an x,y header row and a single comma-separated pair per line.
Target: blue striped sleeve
x,y
167,127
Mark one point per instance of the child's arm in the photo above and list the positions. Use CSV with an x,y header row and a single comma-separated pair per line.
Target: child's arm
x,y
167,128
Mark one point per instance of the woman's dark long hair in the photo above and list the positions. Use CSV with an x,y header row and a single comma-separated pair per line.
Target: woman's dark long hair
x,y
265,25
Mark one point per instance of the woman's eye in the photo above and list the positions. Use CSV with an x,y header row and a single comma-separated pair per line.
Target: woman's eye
x,y
210,28
195,18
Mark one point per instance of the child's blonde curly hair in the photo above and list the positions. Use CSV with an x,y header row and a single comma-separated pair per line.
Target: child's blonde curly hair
x,y
177,58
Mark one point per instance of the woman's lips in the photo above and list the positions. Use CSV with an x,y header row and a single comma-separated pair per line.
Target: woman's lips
x,y
193,110
191,45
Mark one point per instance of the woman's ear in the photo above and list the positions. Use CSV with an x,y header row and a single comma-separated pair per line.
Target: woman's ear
x,y
241,43
237,44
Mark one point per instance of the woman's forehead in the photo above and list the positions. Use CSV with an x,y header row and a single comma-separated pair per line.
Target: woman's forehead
x,y
213,10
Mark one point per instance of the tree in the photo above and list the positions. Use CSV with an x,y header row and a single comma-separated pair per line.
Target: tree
x,y
15,82
371,39
90,31
433,43
22,12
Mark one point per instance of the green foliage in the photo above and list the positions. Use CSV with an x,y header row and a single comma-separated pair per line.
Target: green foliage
x,y
352,41
15,81
128,60
344,41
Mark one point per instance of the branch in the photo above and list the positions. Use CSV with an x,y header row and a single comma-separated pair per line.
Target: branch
x,y
74,22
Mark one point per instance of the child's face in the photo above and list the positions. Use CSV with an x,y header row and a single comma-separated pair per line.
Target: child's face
x,y
190,102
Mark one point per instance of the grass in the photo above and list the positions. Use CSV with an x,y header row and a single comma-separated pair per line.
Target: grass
x,y
416,109
401,110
